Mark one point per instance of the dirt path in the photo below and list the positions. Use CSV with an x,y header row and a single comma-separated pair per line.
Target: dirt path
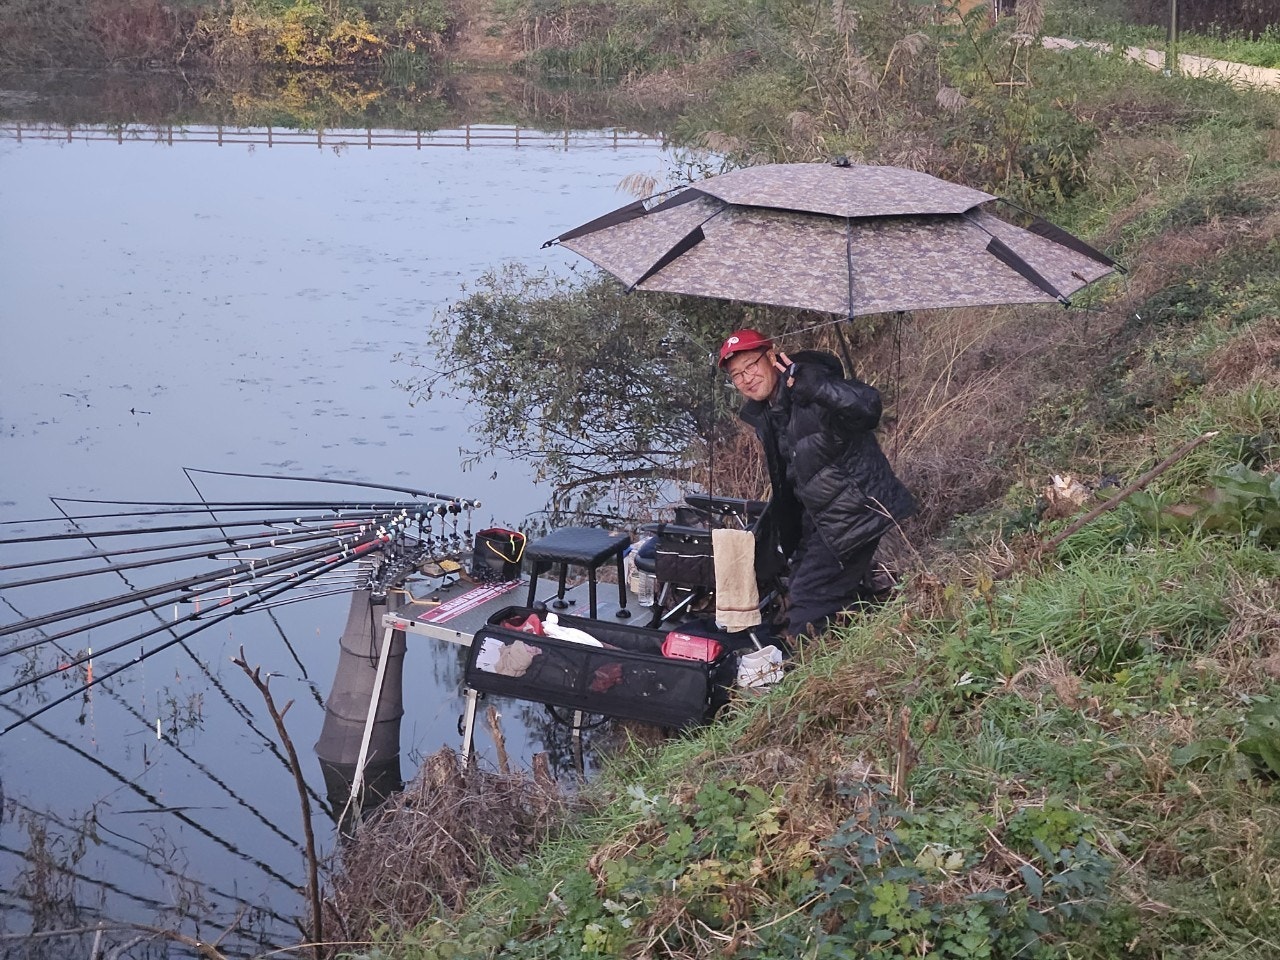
x,y
1240,74
479,36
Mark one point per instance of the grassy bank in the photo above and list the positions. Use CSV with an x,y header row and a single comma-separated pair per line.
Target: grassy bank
x,y
1072,754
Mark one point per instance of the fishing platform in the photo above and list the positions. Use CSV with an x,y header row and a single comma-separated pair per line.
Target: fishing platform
x,y
413,568
446,603
629,656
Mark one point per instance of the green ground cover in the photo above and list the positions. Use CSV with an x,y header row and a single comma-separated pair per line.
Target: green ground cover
x,y
1071,756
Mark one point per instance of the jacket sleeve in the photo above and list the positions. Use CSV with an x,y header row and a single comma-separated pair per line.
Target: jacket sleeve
x,y
855,405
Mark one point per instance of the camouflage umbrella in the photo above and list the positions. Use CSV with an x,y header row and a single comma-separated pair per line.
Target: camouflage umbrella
x,y
836,238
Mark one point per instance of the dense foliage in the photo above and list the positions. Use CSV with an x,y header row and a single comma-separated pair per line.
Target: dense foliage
x,y
1068,755
243,34
603,391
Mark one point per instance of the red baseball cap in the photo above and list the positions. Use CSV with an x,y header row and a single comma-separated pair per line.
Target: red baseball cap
x,y
743,341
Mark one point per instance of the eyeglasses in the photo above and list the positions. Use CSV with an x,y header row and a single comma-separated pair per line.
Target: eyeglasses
x,y
752,369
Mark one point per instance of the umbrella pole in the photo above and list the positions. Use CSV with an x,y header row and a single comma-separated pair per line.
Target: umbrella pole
x,y
897,379
845,349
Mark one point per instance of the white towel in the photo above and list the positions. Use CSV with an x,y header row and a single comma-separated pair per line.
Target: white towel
x,y
737,596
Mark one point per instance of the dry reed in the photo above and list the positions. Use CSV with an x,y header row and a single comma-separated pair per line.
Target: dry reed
x,y
431,844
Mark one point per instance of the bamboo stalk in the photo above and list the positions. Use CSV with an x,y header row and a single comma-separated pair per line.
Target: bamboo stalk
x,y
499,741
1049,546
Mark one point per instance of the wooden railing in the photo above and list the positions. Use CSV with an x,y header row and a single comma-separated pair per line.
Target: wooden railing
x,y
467,137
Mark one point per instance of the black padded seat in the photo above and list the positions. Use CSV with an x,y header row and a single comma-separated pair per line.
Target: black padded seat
x,y
586,547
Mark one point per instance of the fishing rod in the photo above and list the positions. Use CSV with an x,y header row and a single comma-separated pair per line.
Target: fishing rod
x,y
310,596
275,541
248,569
221,599
167,626
464,501
258,570
245,541
173,507
342,517
153,608
186,528
288,644
251,600
218,594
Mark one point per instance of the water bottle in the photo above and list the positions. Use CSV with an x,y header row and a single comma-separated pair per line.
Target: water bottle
x,y
629,569
644,588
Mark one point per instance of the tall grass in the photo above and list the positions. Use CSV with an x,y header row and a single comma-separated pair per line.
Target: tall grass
x,y
1055,763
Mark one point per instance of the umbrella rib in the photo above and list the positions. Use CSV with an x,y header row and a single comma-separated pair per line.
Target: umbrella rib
x,y
686,243
1006,255
687,195
848,259
1051,231
625,214
632,211
1002,252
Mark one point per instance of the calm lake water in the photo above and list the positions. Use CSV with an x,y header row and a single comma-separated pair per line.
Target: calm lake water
x,y
232,308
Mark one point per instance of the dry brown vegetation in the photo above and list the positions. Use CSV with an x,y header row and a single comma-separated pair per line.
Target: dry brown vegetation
x,y
425,849
971,394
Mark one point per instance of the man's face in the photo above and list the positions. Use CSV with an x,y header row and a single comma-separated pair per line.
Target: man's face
x,y
753,374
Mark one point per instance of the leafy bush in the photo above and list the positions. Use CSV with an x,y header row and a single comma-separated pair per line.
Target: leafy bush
x,y
302,35
886,891
1238,501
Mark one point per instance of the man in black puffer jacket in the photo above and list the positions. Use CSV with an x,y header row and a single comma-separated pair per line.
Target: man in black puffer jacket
x,y
834,493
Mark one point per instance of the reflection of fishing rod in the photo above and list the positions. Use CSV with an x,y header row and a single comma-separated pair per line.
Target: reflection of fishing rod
x,y
155,801
178,749
237,573
159,866
224,543
251,599
463,502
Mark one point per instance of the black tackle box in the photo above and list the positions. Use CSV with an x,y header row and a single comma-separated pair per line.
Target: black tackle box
x,y
629,679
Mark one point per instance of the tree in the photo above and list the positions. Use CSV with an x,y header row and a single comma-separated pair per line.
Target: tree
x,y
606,392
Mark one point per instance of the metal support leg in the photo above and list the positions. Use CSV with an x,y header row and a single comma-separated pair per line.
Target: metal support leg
x,y
560,602
533,582
577,743
469,725
623,613
357,781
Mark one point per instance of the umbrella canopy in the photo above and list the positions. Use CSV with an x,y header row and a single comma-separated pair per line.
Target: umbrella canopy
x,y
837,238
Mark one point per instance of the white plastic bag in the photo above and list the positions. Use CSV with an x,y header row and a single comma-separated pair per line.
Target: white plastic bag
x,y
760,668
552,628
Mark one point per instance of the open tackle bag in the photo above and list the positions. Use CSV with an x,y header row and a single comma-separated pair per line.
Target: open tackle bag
x,y
623,674
496,554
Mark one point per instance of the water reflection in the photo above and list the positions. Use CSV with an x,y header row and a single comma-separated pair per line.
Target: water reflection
x,y
233,308
317,99
468,136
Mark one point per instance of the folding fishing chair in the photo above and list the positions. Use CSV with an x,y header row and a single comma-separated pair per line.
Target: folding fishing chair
x,y
683,561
